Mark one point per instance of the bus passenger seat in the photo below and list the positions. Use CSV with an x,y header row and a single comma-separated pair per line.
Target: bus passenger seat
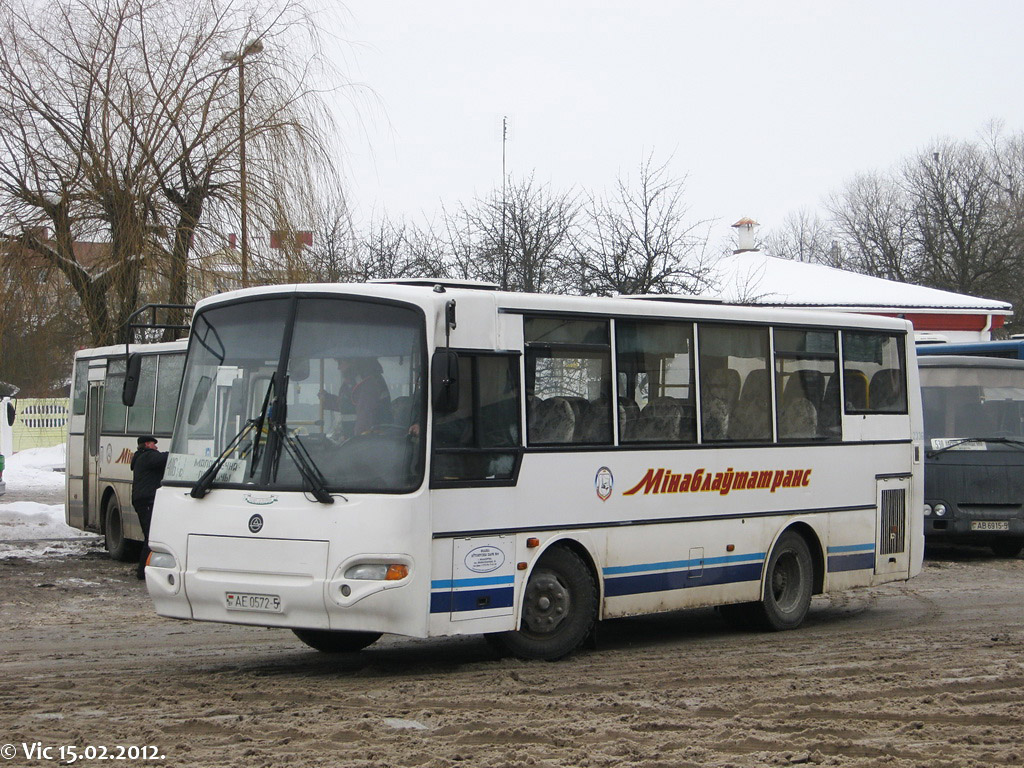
x,y
552,421
798,418
660,420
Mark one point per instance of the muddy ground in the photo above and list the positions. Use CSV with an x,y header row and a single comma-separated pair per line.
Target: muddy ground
x,y
928,673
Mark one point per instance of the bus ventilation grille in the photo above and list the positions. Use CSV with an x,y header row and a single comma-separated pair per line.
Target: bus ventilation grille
x,y
894,521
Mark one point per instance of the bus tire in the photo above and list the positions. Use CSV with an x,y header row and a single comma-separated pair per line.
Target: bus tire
x,y
119,547
788,583
559,608
336,641
1008,547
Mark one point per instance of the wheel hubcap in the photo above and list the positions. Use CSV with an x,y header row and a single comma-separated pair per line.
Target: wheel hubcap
x,y
547,603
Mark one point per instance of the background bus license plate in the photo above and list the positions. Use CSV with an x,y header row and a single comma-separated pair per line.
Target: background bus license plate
x,y
246,601
990,525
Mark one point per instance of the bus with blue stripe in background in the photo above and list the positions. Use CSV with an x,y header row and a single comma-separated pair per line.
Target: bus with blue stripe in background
x,y
431,458
1010,349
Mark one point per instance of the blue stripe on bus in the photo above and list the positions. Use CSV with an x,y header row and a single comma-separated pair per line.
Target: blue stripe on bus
x,y
858,561
479,581
852,548
667,580
676,564
471,600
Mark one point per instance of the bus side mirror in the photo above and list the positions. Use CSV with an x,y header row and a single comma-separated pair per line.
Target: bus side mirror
x,y
10,414
444,382
133,368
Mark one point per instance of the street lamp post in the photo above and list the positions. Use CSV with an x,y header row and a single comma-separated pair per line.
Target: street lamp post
x,y
237,58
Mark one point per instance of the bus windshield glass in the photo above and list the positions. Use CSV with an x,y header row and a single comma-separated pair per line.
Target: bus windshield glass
x,y
301,393
972,403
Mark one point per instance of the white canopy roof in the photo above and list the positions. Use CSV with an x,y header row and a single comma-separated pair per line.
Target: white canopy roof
x,y
753,277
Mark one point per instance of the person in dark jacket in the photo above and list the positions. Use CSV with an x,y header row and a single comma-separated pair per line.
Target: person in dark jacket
x,y
148,465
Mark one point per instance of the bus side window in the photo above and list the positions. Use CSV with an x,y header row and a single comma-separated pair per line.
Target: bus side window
x,y
568,381
80,392
874,372
736,395
806,364
140,415
168,387
479,442
114,411
655,363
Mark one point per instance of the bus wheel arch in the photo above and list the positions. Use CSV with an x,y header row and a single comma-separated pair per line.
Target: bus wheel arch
x,y
560,604
816,551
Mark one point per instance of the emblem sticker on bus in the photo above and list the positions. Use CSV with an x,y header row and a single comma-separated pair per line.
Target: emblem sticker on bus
x,y
256,523
604,482
485,559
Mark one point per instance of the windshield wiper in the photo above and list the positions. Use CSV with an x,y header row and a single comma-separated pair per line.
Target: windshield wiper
x,y
202,486
304,462
1017,442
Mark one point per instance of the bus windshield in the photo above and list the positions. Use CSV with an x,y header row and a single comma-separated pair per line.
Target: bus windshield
x,y
303,393
971,403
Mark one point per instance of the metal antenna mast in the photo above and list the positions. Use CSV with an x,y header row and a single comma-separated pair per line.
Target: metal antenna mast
x,y
504,203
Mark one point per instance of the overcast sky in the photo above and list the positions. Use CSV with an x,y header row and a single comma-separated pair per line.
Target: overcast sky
x,y
764,106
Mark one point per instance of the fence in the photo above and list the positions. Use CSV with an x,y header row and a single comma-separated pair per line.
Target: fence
x,y
40,423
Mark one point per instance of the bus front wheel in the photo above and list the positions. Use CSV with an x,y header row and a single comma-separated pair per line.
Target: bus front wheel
x,y
336,641
1008,547
559,608
118,546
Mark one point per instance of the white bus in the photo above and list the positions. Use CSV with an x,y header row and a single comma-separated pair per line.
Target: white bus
x,y
538,463
103,433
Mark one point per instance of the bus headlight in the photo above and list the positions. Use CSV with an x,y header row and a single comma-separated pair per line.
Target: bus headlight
x,y
161,560
940,509
927,509
377,572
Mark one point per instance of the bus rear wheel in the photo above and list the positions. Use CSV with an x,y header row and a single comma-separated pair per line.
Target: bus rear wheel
x,y
559,608
336,641
789,580
118,546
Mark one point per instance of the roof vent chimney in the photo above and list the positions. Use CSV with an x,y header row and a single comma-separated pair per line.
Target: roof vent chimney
x,y
745,235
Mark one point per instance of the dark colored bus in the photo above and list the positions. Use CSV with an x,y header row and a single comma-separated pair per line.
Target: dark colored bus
x,y
1010,349
974,458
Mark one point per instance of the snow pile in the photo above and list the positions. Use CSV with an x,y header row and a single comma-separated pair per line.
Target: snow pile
x,y
29,520
35,469
23,524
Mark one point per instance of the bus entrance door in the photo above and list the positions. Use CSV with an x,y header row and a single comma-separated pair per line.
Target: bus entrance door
x,y
892,553
91,457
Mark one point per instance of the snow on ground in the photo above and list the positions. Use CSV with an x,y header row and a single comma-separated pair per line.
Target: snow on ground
x,y
23,524
35,469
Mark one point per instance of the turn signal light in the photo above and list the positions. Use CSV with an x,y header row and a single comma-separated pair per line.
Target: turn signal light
x,y
397,572
532,543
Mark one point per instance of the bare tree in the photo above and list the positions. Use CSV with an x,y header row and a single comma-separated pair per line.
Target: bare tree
x,y
805,236
640,241
120,123
873,219
519,240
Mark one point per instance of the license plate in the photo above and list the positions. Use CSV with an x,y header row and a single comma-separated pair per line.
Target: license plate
x,y
246,601
990,525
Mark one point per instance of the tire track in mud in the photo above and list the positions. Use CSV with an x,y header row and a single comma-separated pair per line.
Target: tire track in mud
x,y
928,673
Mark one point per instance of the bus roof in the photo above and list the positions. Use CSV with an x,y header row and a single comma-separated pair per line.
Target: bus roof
x,y
117,350
432,296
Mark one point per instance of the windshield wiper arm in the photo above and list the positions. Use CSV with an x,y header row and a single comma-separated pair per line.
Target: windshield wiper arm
x,y
202,486
258,422
307,467
956,444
